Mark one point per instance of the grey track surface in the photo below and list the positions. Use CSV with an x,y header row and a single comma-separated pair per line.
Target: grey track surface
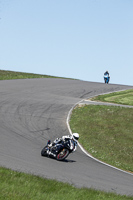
x,y
35,110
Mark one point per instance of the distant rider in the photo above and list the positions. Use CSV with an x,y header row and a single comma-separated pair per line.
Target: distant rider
x,y
72,139
106,73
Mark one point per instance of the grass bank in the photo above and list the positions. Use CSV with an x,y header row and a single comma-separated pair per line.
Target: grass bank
x,y
21,186
8,75
106,132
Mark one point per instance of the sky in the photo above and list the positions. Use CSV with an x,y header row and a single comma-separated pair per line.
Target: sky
x,y
78,39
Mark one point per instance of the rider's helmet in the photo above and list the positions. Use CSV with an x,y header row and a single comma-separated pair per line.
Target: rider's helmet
x,y
75,137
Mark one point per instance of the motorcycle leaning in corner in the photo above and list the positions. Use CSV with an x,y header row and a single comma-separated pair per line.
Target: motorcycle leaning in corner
x,y
61,147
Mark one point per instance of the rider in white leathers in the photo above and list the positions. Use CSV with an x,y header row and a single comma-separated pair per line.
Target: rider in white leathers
x,y
73,141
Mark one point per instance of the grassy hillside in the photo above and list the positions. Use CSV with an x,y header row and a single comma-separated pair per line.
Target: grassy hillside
x,y
7,75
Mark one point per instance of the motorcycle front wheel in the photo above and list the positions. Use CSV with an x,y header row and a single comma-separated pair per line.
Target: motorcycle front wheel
x,y
44,151
62,154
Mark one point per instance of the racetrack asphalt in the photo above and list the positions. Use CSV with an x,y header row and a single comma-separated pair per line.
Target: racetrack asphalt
x,y
35,110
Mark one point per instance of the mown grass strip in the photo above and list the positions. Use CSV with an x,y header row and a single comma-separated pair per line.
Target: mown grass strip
x,y
20,186
106,132
122,97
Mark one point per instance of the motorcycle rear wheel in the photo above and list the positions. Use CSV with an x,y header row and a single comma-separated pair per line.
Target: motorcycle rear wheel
x,y
62,154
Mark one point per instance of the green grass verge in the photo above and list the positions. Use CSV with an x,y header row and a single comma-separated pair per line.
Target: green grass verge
x,y
106,132
123,97
20,186
8,75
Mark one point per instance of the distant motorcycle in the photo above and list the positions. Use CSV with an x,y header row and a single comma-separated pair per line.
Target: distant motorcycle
x,y
58,151
106,78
